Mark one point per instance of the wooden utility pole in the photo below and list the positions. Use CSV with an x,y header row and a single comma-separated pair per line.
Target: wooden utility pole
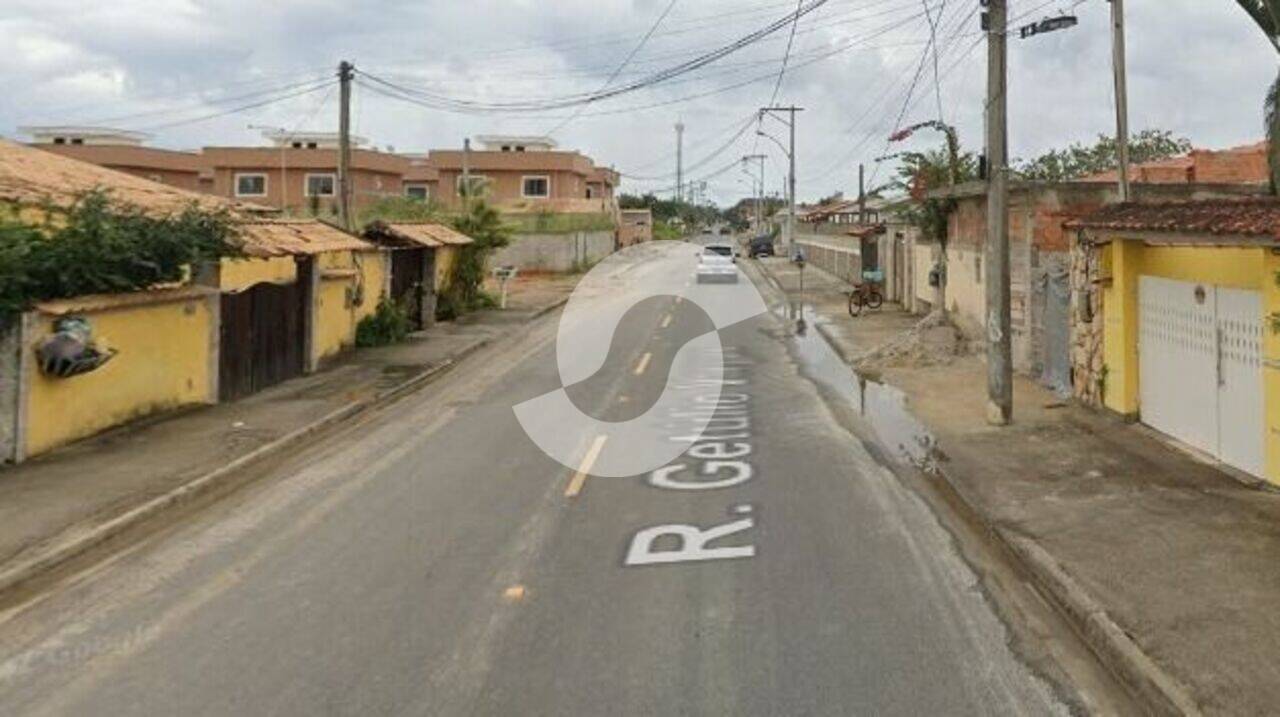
x,y
999,322
862,194
1122,95
345,71
679,161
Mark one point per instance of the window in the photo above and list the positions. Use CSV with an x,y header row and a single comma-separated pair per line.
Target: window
x,y
59,140
77,140
416,191
251,185
478,184
321,185
536,187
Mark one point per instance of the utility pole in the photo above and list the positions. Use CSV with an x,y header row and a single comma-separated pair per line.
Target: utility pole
x,y
791,174
466,168
679,161
345,72
999,322
1122,95
862,194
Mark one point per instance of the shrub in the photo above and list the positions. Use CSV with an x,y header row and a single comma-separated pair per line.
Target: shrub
x,y
388,324
96,246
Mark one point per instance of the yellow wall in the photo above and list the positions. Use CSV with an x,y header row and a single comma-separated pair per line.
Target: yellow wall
x,y
166,359
446,256
337,316
1249,268
236,274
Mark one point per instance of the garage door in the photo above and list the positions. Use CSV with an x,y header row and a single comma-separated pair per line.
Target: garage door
x,y
1200,364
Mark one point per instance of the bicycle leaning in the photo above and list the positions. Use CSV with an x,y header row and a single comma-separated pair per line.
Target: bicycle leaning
x,y
867,294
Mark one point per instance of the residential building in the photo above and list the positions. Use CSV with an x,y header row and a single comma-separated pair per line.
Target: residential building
x,y
299,172
526,173
291,301
123,151
1238,165
1176,320
421,179
1040,260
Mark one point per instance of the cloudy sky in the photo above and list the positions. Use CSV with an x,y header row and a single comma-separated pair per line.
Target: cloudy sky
x,y
181,68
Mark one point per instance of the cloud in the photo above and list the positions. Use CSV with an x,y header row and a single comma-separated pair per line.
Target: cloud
x,y
1197,68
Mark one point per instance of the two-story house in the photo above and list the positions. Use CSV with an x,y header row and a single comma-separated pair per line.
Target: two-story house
x,y
123,151
299,172
524,172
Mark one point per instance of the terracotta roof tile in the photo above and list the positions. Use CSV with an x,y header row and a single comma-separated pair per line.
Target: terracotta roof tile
x,y
1254,217
32,176
284,237
427,234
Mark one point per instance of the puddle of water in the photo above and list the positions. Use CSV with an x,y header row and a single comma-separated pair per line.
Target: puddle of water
x,y
883,406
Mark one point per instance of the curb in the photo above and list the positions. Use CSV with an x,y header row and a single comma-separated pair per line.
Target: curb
x,y
72,546
1149,683
549,308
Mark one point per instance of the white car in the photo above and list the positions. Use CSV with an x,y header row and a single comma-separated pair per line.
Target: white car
x,y
714,267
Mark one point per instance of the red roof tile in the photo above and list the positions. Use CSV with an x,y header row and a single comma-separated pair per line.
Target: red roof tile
x,y
1256,217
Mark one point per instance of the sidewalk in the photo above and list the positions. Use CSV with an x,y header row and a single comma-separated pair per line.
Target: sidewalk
x,y
65,498
1169,567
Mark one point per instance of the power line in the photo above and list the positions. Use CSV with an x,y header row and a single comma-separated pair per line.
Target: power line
x,y
572,100
777,86
242,108
622,66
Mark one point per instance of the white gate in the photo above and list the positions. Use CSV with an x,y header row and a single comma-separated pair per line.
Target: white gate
x,y
1241,427
1200,367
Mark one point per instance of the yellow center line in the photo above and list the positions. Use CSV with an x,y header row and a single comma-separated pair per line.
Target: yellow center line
x,y
589,460
644,363
666,321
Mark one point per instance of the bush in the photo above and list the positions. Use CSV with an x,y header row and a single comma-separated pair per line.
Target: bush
x,y
100,247
388,324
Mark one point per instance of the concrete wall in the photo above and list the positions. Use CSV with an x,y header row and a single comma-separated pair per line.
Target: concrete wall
x,y
351,284
838,256
555,252
923,258
167,345
237,274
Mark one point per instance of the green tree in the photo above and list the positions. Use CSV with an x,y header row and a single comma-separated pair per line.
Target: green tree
x,y
480,221
1266,13
1081,160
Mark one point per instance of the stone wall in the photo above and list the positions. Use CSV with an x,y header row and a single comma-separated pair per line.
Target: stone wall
x,y
1087,368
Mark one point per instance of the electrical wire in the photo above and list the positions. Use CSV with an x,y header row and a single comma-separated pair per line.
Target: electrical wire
x,y
630,56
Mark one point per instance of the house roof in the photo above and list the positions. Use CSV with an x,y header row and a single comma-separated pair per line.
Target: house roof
x,y
285,237
426,234
1253,217
32,176
320,158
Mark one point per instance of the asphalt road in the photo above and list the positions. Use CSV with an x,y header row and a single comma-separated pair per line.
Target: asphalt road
x,y
433,560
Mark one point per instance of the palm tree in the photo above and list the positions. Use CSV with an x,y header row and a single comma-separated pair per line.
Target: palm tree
x,y
1267,14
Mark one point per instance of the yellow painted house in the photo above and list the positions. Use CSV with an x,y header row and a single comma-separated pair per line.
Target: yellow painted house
x,y
1187,297
175,346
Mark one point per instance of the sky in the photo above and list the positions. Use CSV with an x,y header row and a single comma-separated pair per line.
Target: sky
x,y
200,73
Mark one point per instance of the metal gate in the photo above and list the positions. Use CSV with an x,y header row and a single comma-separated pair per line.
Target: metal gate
x,y
408,288
1200,367
263,338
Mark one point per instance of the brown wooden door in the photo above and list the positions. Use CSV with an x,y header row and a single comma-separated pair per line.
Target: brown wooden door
x,y
263,338
408,288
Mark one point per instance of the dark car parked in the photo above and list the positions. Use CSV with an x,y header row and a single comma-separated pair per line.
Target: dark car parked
x,y
760,246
